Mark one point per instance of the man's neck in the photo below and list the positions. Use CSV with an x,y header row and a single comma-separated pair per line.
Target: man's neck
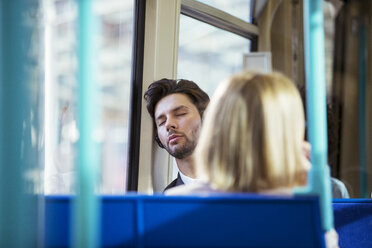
x,y
186,166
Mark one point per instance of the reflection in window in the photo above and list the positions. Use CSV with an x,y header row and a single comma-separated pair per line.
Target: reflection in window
x,y
114,25
209,55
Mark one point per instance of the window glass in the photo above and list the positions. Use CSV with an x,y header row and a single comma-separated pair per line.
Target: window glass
x,y
209,55
238,8
114,20
347,61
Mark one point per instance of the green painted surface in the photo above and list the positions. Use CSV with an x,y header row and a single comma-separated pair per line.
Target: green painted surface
x,y
19,123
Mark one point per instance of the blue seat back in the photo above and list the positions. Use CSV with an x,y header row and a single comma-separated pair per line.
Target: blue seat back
x,y
353,222
118,221
239,220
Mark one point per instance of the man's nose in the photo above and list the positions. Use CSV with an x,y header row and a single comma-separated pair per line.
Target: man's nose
x,y
171,124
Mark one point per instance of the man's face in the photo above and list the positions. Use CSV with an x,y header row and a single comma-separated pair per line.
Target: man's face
x,y
178,124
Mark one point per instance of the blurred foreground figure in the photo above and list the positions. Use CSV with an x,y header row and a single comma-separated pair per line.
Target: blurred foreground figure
x,y
252,140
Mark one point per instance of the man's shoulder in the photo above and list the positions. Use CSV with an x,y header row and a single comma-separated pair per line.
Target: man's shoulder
x,y
195,189
339,189
176,182
171,185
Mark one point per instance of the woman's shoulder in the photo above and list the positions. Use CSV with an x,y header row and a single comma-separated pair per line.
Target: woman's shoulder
x,y
197,188
277,191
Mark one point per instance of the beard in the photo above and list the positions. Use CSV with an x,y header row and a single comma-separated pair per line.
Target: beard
x,y
181,151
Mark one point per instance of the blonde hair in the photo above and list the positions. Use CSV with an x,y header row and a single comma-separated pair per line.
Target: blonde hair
x,y
252,135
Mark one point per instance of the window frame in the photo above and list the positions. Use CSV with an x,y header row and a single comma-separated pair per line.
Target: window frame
x,y
218,18
136,94
154,165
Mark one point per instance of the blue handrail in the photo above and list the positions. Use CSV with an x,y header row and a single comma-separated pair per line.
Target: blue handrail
x,y
362,78
87,204
319,176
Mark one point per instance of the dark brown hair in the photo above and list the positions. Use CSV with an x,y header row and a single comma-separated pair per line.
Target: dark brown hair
x,y
164,87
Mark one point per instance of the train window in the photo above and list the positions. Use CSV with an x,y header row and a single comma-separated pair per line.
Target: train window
x,y
350,96
216,51
114,22
209,55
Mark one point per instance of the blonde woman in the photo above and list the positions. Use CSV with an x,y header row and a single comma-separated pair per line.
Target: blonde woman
x,y
252,140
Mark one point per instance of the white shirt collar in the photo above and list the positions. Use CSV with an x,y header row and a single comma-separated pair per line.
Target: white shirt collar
x,y
186,179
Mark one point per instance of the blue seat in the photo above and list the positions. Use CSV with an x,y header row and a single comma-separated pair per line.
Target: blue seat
x,y
118,221
353,222
239,220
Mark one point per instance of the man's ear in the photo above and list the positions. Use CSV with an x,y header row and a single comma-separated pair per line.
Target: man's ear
x,y
158,141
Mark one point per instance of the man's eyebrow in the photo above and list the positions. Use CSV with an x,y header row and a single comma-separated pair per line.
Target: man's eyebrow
x,y
181,107
159,117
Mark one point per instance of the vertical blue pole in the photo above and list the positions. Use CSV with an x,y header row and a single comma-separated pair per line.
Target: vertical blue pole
x,y
319,176
363,62
87,204
19,128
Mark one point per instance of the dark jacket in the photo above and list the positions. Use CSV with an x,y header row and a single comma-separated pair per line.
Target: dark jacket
x,y
176,182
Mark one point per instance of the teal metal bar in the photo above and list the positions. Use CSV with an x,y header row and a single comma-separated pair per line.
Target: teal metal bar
x,y
87,204
319,176
19,123
363,65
